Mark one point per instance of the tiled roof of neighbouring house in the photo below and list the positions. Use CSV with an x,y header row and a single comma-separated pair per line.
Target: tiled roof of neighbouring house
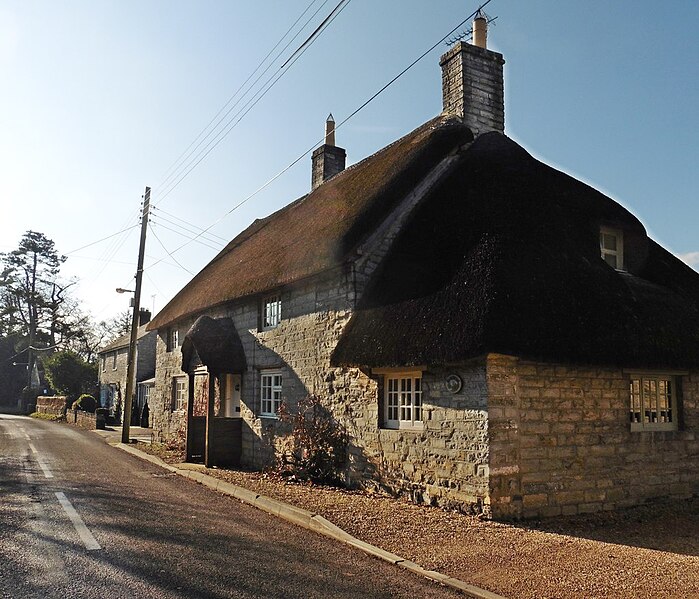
x,y
504,256
123,341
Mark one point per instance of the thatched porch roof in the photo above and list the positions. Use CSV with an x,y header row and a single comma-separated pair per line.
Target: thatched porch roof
x,y
216,343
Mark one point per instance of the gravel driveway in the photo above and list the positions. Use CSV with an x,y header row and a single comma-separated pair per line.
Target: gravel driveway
x,y
647,552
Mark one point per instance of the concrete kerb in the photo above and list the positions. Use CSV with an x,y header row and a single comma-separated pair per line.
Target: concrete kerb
x,y
311,521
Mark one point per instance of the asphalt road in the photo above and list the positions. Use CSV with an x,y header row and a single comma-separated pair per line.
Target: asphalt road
x,y
79,518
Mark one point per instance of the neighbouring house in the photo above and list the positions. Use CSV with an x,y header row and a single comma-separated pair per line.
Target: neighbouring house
x,y
113,366
492,333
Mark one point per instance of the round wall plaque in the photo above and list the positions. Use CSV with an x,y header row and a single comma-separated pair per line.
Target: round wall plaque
x,y
453,383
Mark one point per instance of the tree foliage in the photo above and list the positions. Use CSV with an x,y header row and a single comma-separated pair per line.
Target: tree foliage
x,y
70,375
31,294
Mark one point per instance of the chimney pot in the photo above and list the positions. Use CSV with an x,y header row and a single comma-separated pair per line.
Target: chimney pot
x,y
330,130
480,31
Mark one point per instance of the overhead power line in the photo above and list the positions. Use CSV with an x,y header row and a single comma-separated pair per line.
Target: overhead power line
x,y
168,251
190,237
172,170
249,105
337,126
186,222
100,240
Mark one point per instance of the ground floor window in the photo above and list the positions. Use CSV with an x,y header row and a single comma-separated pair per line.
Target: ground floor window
x,y
402,400
179,393
270,393
653,402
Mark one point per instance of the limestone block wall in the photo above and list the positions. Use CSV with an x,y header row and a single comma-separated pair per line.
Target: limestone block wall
x,y
445,463
168,424
571,448
504,472
111,374
313,317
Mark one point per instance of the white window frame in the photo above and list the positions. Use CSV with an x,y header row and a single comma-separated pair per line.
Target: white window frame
x,y
114,359
271,382
179,393
617,253
173,339
403,400
104,363
653,401
271,307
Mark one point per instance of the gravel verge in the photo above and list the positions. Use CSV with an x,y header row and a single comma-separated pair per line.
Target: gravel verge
x,y
646,552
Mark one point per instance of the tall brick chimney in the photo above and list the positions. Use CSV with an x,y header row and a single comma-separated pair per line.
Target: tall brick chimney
x,y
328,159
472,82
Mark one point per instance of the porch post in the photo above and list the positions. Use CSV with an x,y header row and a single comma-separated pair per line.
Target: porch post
x,y
208,454
190,417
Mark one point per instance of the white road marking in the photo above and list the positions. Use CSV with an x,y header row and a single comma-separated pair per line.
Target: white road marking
x,y
44,467
31,446
83,531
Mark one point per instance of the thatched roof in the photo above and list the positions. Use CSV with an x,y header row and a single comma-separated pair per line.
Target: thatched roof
x,y
504,257
320,230
216,344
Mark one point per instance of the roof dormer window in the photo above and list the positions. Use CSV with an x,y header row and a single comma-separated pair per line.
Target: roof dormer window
x,y
611,244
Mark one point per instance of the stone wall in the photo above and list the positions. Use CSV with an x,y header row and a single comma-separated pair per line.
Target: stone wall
x,y
445,463
82,419
564,444
113,373
51,404
168,424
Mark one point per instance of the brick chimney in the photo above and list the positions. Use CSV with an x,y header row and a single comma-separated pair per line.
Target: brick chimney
x,y
328,159
472,82
143,316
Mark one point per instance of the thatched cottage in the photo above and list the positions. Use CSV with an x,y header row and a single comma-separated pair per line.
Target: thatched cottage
x,y
492,333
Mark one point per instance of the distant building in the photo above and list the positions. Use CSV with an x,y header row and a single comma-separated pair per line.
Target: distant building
x,y
492,333
113,365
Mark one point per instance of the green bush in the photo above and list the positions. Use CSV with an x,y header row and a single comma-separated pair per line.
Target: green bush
x,y
86,403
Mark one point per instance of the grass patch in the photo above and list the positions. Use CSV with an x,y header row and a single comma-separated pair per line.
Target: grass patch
x,y
42,416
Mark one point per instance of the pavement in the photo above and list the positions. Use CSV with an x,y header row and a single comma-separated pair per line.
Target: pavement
x,y
285,511
112,434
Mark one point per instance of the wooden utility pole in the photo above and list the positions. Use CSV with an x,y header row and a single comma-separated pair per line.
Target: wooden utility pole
x,y
131,371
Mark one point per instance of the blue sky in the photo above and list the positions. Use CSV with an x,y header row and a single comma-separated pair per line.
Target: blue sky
x,y
100,98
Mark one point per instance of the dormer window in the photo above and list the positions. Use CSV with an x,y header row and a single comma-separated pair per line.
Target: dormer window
x,y
611,244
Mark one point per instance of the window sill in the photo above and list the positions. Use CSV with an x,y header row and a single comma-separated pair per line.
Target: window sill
x,y
404,427
269,416
662,427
